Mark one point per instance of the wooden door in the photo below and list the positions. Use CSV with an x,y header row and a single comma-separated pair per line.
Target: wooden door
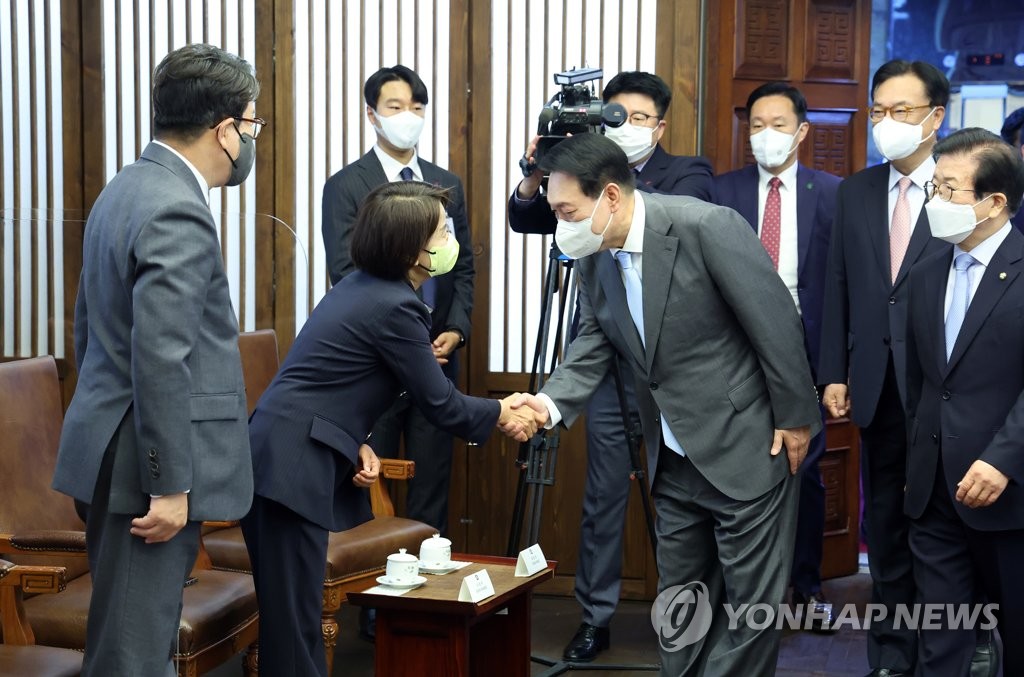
x,y
821,47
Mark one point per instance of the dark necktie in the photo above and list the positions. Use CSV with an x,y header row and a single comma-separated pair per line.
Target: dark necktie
x,y
428,290
771,226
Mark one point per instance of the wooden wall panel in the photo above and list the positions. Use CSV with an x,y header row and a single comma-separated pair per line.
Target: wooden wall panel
x,y
831,41
762,44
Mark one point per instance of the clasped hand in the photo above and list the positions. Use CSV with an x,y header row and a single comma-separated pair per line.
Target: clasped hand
x,y
521,416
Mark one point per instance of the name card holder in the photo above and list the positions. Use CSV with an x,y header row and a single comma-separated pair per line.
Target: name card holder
x,y
476,587
530,561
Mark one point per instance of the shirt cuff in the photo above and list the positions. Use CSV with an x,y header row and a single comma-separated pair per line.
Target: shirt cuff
x,y
554,416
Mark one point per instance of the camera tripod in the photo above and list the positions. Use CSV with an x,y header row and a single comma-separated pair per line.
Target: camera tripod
x,y
537,457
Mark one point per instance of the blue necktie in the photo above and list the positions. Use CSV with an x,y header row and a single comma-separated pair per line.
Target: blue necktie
x,y
635,303
428,290
960,301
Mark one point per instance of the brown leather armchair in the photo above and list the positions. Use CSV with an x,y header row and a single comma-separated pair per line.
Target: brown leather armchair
x,y
354,557
19,654
37,525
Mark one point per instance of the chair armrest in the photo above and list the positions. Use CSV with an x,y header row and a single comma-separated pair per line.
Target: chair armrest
x,y
390,469
15,580
63,543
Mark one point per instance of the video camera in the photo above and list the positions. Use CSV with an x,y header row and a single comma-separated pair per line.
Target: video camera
x,y
573,110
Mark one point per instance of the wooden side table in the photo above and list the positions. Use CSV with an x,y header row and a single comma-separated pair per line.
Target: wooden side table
x,y
427,631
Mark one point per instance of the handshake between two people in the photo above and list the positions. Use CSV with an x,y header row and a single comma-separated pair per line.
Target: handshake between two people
x,y
522,414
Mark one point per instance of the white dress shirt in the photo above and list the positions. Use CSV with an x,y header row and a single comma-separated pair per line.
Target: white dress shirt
x,y
789,251
393,168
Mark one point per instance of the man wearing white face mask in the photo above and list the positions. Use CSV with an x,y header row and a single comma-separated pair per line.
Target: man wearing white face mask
x,y
791,207
646,99
880,230
396,101
965,400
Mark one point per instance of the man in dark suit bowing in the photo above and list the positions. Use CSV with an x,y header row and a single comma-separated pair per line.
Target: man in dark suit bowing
x,y
396,101
880,231
791,207
646,99
965,399
685,293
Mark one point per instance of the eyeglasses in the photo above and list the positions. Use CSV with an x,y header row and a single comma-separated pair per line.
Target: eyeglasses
x,y
641,118
257,125
943,190
898,113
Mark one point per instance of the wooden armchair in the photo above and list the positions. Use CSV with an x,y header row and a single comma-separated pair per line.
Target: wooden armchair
x,y
19,654
354,557
37,525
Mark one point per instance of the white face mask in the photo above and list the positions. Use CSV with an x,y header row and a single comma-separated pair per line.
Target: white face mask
x,y
401,129
772,148
897,140
576,239
635,142
950,221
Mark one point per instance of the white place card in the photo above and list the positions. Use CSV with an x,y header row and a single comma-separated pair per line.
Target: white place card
x,y
531,561
385,590
476,587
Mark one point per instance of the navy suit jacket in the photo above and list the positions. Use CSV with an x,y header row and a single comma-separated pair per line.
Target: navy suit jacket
x,y
367,340
815,208
973,407
344,194
663,173
865,313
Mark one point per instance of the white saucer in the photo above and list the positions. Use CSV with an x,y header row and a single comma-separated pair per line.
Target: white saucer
x,y
438,568
416,582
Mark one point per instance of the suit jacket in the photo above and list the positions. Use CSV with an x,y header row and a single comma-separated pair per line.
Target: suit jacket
x,y
663,173
156,343
815,208
719,361
344,193
367,340
973,407
865,313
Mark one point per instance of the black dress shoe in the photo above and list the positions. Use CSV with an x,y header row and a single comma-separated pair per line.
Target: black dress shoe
x,y
588,641
819,610
368,624
886,672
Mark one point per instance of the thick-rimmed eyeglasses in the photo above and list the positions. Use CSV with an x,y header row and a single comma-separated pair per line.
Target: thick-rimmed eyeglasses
x,y
640,119
897,113
943,190
257,125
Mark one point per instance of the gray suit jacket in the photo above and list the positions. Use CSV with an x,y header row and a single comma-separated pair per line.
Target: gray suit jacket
x,y
724,358
156,343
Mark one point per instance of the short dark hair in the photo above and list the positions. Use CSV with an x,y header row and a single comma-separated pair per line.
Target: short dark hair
x,y
593,159
371,90
1011,128
935,83
780,89
395,222
639,82
1000,167
197,86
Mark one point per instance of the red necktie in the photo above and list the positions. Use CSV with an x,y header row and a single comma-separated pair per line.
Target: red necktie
x,y
771,226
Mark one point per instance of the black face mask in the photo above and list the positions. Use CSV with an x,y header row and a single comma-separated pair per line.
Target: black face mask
x,y
242,165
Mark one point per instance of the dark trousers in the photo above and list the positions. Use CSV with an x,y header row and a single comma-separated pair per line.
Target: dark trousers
x,y
955,564
605,497
883,474
810,524
288,555
740,550
430,448
135,608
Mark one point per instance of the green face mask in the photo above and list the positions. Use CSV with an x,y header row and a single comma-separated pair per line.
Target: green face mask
x,y
442,259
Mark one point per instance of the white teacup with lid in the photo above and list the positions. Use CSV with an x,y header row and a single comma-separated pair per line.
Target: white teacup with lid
x,y
436,552
402,568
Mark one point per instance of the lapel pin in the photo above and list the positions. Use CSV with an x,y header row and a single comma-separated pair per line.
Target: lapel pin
x,y
810,186
1002,276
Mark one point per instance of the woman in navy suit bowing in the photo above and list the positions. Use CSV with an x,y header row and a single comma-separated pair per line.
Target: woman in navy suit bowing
x,y
364,343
